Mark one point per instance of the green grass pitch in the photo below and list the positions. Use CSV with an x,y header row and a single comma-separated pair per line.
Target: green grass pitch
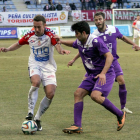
x,y
97,122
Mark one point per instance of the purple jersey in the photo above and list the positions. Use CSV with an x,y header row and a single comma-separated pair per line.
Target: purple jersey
x,y
92,54
109,38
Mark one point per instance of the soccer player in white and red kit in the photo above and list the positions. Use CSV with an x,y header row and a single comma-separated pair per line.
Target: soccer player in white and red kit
x,y
41,65
136,26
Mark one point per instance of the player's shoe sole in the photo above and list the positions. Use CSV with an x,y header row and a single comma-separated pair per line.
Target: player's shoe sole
x,y
127,110
121,121
73,129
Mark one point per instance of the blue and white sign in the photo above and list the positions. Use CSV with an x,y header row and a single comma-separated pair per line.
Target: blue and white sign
x,y
8,33
124,29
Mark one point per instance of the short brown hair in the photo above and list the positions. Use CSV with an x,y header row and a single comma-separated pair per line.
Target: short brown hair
x,y
100,14
39,18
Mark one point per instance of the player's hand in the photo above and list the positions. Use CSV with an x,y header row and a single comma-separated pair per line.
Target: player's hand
x,y
70,63
65,52
3,49
102,79
136,47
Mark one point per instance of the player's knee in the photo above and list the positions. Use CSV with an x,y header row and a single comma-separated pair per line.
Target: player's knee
x,y
121,81
50,94
36,83
95,97
77,94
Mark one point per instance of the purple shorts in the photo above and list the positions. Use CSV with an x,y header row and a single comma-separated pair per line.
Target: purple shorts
x,y
117,68
90,84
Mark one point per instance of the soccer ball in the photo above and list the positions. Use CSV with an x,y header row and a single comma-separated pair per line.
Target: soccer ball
x,y
29,127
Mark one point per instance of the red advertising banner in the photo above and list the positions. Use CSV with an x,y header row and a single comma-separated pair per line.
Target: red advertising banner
x,y
88,15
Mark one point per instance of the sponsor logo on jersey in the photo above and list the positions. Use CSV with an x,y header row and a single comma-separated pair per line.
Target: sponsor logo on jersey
x,y
110,34
104,38
39,43
32,41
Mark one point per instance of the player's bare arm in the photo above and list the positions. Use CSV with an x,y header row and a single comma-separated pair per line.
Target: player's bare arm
x,y
108,62
13,47
70,63
128,41
67,43
60,50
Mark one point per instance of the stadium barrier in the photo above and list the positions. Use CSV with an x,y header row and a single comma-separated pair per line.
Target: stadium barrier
x,y
26,18
63,31
8,33
23,30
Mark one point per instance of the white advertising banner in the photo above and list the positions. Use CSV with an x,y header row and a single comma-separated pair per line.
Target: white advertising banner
x,y
76,15
66,31
26,18
23,30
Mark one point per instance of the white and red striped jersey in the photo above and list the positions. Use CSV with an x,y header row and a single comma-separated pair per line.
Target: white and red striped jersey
x,y
136,23
41,49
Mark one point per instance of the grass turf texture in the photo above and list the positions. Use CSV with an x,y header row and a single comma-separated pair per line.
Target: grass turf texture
x,y
97,122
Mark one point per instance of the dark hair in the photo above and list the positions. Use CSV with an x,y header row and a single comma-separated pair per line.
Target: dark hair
x,y
100,14
39,18
81,26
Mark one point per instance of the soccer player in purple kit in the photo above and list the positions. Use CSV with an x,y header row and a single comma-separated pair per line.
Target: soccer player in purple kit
x,y
109,34
97,61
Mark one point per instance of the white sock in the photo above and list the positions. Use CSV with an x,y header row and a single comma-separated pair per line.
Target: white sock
x,y
32,98
133,40
44,105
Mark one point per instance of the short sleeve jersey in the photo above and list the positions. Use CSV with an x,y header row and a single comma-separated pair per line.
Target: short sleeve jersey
x,y
109,38
136,23
41,49
92,54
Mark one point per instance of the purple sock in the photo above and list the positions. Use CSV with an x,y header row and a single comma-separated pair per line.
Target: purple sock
x,y
78,109
122,95
112,108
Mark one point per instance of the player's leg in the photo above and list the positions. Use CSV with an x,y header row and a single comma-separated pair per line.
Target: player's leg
x,y
122,87
83,90
135,36
99,95
49,83
34,74
122,93
78,109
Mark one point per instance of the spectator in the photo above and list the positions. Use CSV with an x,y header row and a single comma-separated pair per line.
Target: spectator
x,y
73,6
120,2
93,3
128,6
134,6
113,6
50,2
89,6
101,4
4,9
83,3
59,7
46,7
108,4
68,8
52,7
26,2
138,6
